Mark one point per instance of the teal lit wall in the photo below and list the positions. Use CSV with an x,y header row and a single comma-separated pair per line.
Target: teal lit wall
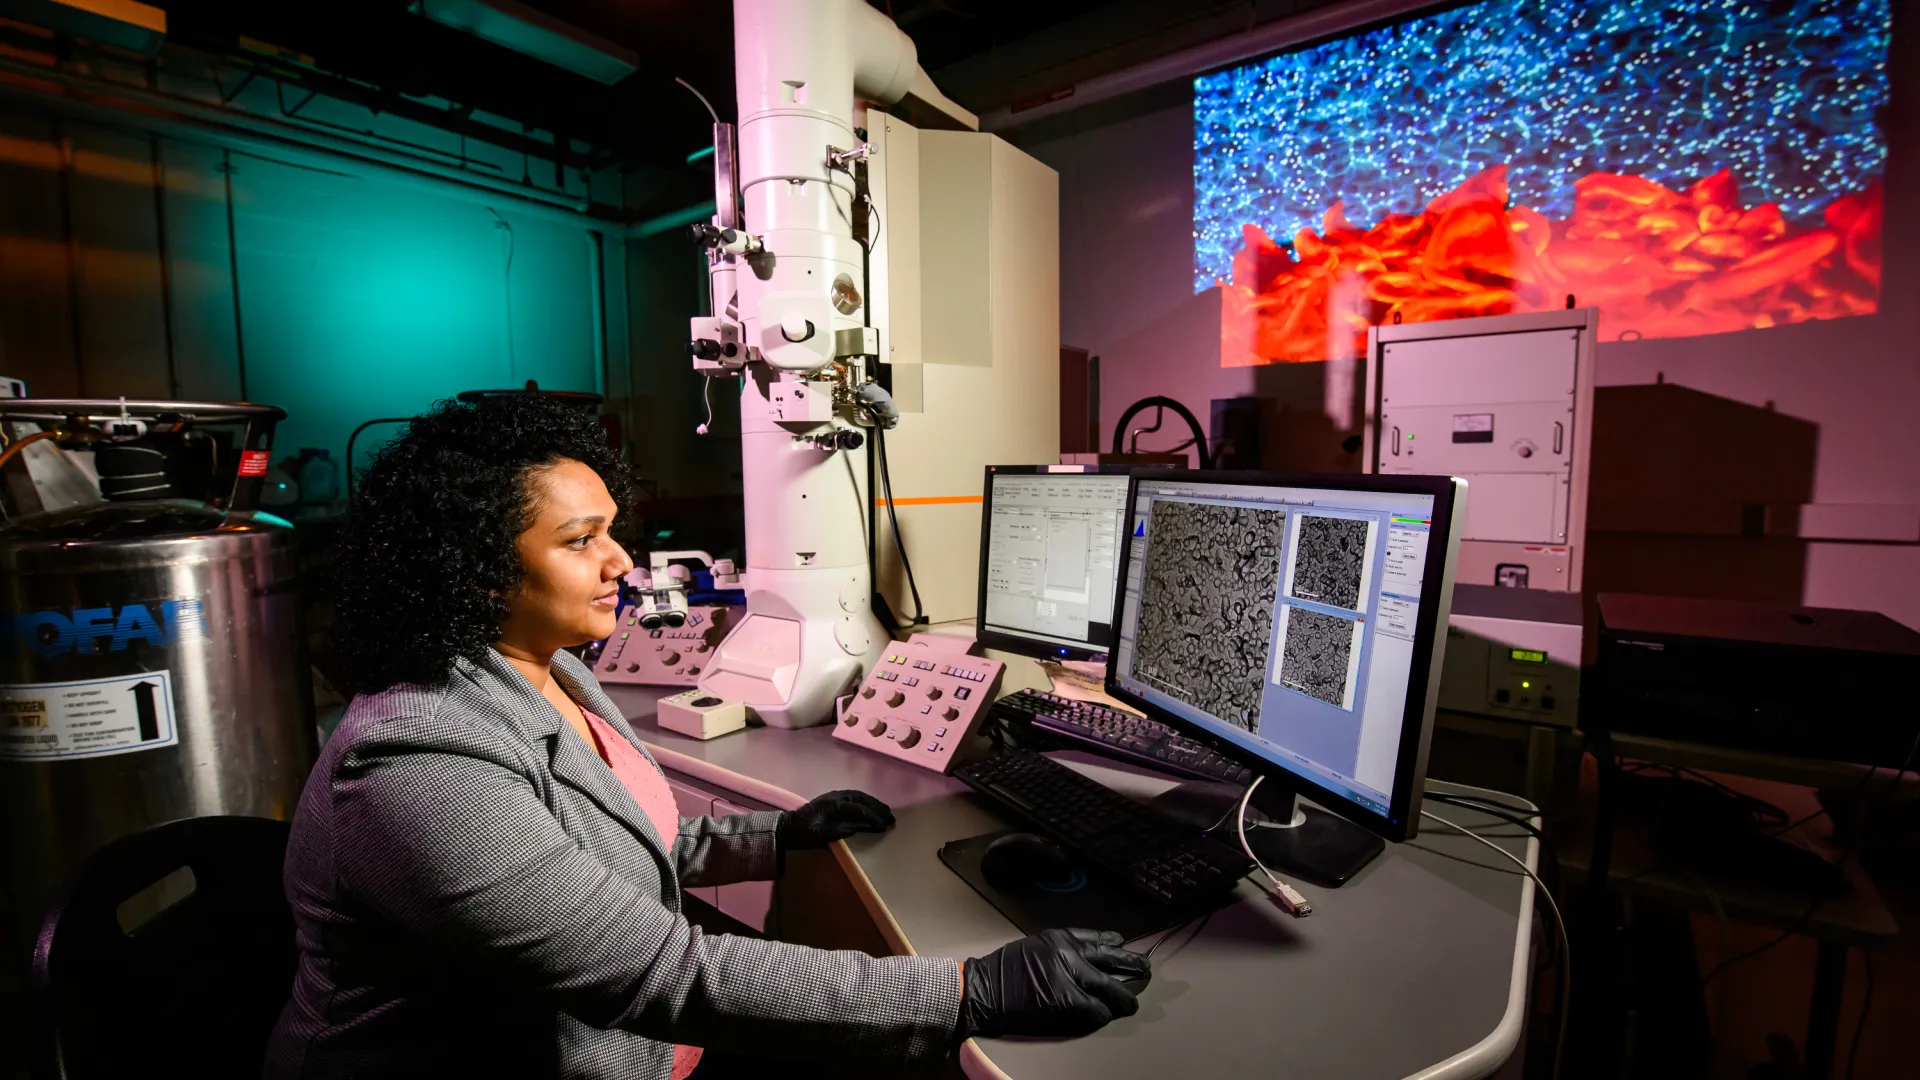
x,y
358,301
146,266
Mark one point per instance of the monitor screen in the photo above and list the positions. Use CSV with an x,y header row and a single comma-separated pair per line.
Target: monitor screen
x,y
1050,558
1286,621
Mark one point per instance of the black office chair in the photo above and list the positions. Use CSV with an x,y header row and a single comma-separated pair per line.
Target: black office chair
x,y
194,989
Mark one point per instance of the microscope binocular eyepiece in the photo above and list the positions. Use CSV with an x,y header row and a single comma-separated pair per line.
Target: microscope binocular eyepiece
x,y
709,349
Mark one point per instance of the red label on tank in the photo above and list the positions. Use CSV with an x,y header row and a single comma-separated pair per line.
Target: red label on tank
x,y
254,462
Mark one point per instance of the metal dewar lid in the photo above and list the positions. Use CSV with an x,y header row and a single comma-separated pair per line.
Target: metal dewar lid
x,y
128,534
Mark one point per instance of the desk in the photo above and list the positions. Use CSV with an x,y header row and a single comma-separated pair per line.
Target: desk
x,y
1418,967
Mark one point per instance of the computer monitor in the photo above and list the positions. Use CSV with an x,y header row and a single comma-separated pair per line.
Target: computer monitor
x,y
1295,623
1049,558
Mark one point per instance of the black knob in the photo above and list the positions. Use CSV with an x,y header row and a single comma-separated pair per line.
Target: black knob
x,y
849,439
705,349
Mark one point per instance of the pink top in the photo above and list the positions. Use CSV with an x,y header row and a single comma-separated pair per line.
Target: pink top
x,y
649,788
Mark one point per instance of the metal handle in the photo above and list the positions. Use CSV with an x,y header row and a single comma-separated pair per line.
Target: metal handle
x,y
205,412
1559,436
1396,442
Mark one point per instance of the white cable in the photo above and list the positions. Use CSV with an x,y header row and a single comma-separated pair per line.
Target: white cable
x,y
702,97
1290,898
1559,924
873,209
706,395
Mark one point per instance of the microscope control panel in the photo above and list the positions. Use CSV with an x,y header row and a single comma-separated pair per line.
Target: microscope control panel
x,y
663,655
920,702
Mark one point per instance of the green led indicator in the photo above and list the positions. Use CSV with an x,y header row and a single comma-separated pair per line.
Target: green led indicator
x,y
1529,656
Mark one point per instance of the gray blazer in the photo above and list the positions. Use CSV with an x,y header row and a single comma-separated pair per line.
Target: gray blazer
x,y
475,894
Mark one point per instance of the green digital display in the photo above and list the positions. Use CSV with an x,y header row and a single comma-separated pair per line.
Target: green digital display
x,y
1530,656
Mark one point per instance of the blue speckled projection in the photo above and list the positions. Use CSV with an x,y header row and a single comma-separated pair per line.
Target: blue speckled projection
x,y
1786,94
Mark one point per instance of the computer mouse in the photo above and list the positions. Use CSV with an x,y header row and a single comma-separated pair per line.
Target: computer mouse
x,y
1023,861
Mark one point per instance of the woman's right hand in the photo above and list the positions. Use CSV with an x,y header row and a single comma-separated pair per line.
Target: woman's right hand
x,y
1057,982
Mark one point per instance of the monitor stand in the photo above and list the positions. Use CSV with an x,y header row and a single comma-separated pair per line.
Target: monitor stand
x,y
1288,836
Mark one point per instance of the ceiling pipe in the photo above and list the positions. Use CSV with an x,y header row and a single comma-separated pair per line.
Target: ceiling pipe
x,y
1313,26
117,105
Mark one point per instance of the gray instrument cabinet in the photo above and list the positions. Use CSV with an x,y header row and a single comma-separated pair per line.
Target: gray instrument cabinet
x,y
1505,402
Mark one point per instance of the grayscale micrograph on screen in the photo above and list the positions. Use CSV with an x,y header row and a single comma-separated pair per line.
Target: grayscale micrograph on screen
x,y
1329,561
1314,657
1206,605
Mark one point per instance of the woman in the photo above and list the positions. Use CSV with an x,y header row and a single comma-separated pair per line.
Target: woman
x,y
485,866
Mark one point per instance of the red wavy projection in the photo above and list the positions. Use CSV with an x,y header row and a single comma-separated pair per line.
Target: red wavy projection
x,y
1657,262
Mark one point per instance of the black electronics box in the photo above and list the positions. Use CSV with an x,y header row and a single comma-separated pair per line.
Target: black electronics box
x,y
1805,682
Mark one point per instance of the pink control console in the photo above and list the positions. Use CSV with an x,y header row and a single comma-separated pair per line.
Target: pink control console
x,y
666,656
920,702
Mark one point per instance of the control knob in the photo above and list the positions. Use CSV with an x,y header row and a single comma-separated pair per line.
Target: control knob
x,y
877,728
671,658
867,692
850,720
933,693
950,713
909,737
896,699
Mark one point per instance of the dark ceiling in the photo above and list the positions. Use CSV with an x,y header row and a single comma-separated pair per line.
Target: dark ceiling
x,y
983,53
645,118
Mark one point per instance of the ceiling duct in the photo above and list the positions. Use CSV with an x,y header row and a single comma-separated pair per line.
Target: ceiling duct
x,y
534,33
122,24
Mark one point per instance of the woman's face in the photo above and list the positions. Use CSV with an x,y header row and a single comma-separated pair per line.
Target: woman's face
x,y
571,568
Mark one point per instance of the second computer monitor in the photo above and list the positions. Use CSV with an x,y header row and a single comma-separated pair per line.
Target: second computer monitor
x,y
1294,622
1049,558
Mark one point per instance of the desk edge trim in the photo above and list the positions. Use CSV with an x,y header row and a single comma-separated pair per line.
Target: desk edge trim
x,y
781,798
1489,1054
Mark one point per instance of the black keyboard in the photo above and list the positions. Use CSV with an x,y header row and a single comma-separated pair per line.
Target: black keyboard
x,y
1165,861
1119,735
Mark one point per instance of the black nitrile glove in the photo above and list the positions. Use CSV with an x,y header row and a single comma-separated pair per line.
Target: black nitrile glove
x,y
1057,982
833,816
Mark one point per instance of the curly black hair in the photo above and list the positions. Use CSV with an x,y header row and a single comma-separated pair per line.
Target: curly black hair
x,y
427,556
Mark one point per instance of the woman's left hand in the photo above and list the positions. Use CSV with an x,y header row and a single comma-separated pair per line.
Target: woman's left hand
x,y
833,816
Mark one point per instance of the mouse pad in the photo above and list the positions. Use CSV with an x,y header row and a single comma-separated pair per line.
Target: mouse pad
x,y
1080,896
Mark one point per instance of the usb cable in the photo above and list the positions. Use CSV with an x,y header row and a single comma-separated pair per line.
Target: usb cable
x,y
1290,899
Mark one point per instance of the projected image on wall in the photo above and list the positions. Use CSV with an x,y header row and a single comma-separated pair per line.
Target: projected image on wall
x,y
1687,166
